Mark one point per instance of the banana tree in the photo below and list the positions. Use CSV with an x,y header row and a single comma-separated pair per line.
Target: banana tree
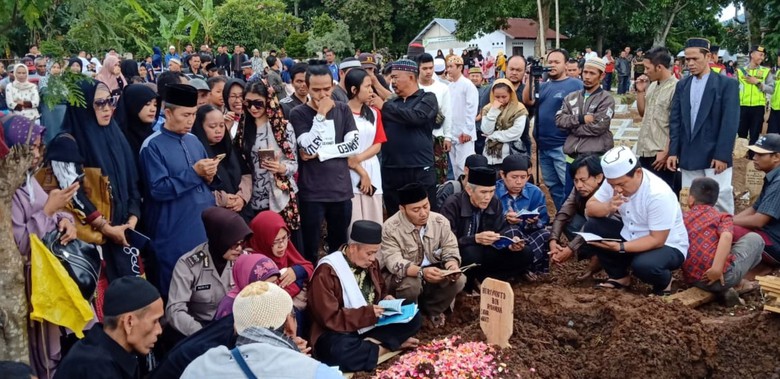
x,y
202,15
172,31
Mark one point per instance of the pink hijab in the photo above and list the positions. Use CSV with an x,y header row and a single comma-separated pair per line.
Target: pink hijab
x,y
247,269
106,74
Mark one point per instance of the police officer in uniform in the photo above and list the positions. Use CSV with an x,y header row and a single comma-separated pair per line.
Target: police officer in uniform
x,y
203,276
755,82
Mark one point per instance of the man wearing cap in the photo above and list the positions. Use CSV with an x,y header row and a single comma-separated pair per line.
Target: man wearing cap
x,y
587,114
417,245
454,186
475,75
702,124
274,76
409,120
442,134
518,196
171,54
464,99
476,219
654,102
193,71
177,173
343,295
247,71
203,89
264,324
327,136
764,216
132,309
755,83
652,237
340,89
174,64
378,83
440,69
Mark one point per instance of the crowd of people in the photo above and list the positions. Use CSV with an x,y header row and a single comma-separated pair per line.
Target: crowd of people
x,y
280,204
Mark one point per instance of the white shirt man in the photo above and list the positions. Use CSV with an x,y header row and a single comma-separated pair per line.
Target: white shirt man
x,y
464,100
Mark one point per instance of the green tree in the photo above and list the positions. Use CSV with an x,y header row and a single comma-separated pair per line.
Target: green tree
x,y
255,23
202,15
370,21
295,44
331,34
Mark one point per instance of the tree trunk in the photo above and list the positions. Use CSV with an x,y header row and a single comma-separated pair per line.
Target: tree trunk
x,y
540,46
600,45
660,35
14,345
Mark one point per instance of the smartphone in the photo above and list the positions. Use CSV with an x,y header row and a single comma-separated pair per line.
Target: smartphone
x,y
79,179
266,154
220,157
371,193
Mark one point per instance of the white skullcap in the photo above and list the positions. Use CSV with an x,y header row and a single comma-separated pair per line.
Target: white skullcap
x,y
261,305
617,162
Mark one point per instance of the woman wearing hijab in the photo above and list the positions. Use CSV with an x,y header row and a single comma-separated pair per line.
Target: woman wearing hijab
x,y
233,96
21,95
233,190
157,60
35,212
267,143
111,75
92,138
74,65
136,113
52,117
440,54
271,237
202,277
129,69
247,269
503,122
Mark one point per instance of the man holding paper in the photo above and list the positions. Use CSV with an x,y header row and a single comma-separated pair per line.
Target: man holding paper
x,y
344,295
641,211
420,257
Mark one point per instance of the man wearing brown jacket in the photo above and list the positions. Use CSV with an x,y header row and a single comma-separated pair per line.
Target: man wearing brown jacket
x,y
588,177
586,114
418,247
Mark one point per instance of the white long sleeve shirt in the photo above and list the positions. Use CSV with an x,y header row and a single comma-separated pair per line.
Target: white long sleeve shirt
x,y
442,93
464,100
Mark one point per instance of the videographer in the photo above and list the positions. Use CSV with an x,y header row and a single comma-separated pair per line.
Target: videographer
x,y
550,139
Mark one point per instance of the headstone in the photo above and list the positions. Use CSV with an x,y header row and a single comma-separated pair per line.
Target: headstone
x,y
621,108
754,180
496,311
684,192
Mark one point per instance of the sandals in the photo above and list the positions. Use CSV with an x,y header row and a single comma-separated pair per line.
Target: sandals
x,y
610,284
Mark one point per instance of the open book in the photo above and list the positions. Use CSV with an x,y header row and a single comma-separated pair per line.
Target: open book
x,y
503,242
590,237
391,307
460,270
407,314
526,214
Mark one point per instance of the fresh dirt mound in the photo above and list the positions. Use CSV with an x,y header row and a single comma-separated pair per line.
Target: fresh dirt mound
x,y
564,332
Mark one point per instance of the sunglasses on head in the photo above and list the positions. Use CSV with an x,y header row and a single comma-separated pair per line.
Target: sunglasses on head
x,y
109,101
258,104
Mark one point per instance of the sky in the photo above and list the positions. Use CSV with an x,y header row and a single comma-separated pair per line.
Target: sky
x,y
727,13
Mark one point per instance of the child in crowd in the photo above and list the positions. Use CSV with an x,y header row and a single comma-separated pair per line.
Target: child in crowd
x,y
716,262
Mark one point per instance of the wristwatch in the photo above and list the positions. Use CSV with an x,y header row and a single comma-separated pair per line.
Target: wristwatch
x,y
319,117
622,248
420,273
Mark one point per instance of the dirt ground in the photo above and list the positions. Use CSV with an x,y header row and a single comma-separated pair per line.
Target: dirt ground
x,y
568,329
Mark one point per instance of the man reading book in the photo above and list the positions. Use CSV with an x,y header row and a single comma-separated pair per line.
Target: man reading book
x,y
641,210
418,248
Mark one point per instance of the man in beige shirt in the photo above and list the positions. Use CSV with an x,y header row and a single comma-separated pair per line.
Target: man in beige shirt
x,y
654,105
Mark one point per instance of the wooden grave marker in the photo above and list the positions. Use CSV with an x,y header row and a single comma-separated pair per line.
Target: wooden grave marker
x,y
496,311
754,180
684,192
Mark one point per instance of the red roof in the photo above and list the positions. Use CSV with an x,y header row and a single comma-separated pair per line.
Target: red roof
x,y
525,28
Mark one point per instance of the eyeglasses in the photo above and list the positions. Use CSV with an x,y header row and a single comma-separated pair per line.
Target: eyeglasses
x,y
234,97
107,102
258,104
281,241
238,246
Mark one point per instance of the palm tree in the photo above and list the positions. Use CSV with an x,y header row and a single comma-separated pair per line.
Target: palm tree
x,y
201,15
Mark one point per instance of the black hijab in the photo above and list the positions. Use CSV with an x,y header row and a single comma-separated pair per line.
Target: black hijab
x,y
232,166
76,60
131,102
226,91
129,69
103,147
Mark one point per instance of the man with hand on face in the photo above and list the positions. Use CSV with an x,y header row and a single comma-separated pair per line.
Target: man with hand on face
x,y
587,174
132,310
177,172
327,136
586,114
476,218
654,102
651,235
417,274
703,122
